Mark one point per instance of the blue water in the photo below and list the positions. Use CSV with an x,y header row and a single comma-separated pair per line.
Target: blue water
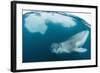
x,y
36,47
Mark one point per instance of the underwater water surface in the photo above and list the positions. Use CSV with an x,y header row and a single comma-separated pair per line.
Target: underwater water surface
x,y
55,36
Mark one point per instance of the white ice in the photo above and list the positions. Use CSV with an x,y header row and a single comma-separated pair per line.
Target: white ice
x,y
36,23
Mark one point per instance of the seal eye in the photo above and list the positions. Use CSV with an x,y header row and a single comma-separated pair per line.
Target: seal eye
x,y
55,45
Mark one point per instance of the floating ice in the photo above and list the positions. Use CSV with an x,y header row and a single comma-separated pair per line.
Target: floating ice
x,y
37,23
74,44
65,21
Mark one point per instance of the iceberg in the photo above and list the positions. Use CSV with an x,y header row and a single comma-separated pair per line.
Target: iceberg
x,y
36,21
65,21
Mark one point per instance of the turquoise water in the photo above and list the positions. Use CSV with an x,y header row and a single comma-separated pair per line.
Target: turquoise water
x,y
37,46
